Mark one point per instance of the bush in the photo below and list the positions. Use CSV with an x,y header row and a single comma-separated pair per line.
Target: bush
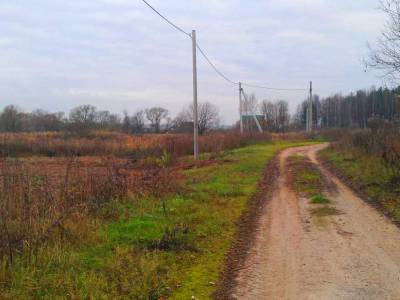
x,y
37,200
381,139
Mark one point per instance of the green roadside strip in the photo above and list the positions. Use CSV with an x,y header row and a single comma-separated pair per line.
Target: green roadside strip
x,y
368,174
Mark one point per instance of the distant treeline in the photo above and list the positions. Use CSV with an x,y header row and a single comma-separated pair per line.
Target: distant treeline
x,y
88,117
337,111
81,118
352,111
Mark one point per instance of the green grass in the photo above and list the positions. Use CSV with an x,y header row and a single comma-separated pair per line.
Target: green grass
x,y
319,199
369,174
143,253
307,179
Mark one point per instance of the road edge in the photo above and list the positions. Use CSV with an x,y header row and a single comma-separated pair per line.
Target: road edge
x,y
246,230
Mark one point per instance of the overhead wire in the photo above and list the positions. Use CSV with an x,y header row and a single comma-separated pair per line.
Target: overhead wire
x,y
213,66
272,88
166,19
189,35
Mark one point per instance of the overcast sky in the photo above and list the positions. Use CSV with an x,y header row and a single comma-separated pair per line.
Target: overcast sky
x,y
117,54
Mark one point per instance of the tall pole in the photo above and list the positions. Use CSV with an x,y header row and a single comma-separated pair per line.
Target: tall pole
x,y
311,109
241,108
195,116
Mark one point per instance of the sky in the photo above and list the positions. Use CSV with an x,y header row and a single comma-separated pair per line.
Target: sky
x,y
117,54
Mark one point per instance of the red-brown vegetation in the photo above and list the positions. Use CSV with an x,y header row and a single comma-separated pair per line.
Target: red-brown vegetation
x,y
46,179
99,143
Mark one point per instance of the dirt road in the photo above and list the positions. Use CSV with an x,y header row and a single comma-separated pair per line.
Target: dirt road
x,y
352,255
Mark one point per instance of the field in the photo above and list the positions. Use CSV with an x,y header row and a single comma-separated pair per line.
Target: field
x,y
102,143
103,224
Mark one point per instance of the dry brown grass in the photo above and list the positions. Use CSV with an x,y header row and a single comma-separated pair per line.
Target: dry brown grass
x,y
99,143
37,199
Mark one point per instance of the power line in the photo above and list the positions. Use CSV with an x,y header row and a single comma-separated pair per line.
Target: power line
x,y
189,35
166,20
272,88
214,67
222,75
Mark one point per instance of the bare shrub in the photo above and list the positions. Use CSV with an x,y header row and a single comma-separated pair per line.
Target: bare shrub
x,y
36,202
381,140
39,199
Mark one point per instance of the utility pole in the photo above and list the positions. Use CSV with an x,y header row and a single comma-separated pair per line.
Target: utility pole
x,y
310,111
195,115
241,108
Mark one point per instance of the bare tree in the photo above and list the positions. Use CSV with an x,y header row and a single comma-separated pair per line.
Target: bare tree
x,y
386,55
82,117
10,119
208,116
250,104
104,119
40,120
126,123
249,109
267,108
137,121
282,109
155,115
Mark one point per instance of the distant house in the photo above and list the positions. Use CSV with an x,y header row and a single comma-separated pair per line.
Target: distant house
x,y
247,118
183,127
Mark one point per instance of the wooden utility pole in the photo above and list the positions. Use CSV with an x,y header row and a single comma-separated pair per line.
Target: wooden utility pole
x,y
241,108
195,115
310,111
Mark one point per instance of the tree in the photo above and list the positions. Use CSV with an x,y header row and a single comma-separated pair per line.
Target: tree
x,y
137,121
155,115
10,119
208,116
106,120
82,117
249,106
282,117
40,120
126,123
386,55
267,108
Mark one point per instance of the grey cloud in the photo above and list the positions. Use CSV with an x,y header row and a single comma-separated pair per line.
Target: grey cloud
x,y
117,54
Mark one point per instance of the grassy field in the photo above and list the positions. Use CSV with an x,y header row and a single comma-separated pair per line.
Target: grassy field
x,y
367,174
147,247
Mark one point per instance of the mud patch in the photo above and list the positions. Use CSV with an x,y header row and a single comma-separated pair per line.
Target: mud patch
x,y
325,211
307,181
